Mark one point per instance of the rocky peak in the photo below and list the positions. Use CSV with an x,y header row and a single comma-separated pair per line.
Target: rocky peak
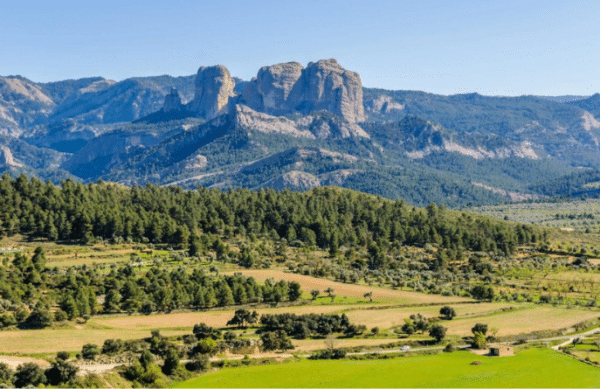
x,y
214,88
323,85
269,91
326,85
172,101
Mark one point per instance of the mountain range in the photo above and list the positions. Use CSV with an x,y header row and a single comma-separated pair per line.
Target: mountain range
x,y
300,127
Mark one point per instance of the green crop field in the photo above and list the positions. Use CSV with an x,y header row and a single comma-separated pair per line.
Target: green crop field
x,y
530,368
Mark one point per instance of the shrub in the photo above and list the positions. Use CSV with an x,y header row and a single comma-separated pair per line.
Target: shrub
x,y
63,355
61,372
90,351
329,354
29,374
206,346
171,361
479,341
112,346
449,348
200,362
6,374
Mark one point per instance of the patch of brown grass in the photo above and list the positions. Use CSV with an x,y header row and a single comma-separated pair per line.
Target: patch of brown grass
x,y
386,318
523,321
380,295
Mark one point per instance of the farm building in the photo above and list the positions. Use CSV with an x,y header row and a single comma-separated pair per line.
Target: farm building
x,y
501,351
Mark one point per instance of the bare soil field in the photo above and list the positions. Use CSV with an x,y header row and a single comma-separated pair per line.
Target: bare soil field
x,y
380,295
13,362
523,321
68,339
215,318
386,318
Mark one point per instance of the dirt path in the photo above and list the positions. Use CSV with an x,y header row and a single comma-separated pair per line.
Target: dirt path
x,y
572,337
13,362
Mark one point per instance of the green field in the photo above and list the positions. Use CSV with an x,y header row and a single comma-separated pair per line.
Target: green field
x,y
530,368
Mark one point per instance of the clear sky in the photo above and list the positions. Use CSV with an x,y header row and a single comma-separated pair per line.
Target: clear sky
x,y
499,47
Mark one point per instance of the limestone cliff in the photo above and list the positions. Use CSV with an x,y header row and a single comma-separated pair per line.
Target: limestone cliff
x,y
323,85
270,90
214,88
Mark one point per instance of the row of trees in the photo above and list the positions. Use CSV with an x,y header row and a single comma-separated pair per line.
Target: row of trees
x,y
312,324
54,295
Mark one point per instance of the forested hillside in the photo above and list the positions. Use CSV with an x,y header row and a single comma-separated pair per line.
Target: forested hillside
x,y
323,217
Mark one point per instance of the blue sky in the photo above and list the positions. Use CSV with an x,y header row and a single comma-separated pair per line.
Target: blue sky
x,y
491,47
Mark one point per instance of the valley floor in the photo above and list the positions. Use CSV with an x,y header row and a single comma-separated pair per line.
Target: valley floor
x,y
535,368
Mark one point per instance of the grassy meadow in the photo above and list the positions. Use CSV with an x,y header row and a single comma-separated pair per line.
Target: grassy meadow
x,y
535,368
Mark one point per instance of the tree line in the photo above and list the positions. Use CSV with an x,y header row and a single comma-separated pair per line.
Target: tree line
x,y
57,296
322,217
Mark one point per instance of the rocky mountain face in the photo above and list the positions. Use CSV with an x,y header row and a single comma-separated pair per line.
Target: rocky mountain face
x,y
22,103
323,85
214,89
295,127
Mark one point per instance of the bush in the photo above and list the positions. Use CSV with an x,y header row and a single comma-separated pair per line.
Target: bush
x,y
200,362
437,332
90,351
329,354
448,312
112,346
171,361
6,374
206,346
62,355
449,348
152,376
479,341
29,374
61,372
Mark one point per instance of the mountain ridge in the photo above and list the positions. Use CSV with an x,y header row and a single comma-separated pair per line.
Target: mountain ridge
x,y
293,122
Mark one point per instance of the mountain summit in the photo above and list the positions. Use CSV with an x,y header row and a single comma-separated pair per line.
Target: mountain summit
x,y
278,90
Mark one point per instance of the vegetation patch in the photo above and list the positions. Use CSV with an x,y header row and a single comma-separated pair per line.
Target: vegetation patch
x,y
530,368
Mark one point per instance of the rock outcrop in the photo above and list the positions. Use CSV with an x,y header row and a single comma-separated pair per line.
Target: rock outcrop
x,y
325,85
173,102
270,90
214,88
382,105
247,118
6,157
322,85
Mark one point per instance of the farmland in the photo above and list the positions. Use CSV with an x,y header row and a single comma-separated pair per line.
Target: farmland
x,y
380,295
509,319
358,290
530,368
577,215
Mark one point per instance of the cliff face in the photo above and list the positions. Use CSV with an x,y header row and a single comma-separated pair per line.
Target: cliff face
x,y
271,89
214,88
325,85
322,85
